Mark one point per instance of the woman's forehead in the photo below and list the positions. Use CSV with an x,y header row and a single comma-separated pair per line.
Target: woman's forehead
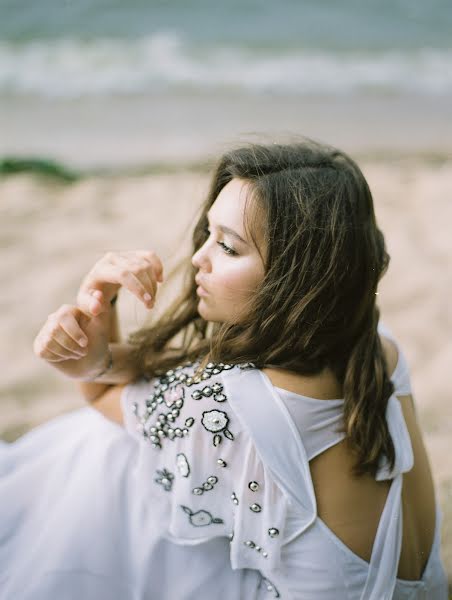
x,y
237,207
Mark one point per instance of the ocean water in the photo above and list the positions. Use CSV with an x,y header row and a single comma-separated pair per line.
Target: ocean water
x,y
69,49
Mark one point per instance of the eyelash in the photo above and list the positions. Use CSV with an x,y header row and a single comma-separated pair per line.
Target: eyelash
x,y
226,248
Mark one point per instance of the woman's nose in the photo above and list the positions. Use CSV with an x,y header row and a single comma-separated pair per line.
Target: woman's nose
x,y
200,259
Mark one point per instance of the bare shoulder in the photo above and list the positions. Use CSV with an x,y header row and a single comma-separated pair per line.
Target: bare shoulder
x,y
109,404
323,386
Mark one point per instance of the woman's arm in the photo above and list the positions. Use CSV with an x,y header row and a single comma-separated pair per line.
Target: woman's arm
x,y
83,341
122,370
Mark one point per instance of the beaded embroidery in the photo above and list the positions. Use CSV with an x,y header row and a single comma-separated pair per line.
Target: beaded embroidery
x,y
169,395
182,464
216,421
165,479
206,486
200,518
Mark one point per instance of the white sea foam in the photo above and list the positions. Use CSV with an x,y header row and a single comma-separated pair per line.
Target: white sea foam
x,y
72,68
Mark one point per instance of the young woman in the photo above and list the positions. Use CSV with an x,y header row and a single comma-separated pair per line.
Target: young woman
x,y
260,440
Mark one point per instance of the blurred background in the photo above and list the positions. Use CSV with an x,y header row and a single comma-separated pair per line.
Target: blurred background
x,y
112,113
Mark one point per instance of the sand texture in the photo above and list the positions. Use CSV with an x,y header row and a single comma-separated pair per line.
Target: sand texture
x,y
52,232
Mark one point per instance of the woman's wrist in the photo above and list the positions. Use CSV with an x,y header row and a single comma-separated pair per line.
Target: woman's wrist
x,y
118,366
108,366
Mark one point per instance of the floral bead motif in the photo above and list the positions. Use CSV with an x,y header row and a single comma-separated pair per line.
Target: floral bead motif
x,y
182,464
165,479
216,421
200,518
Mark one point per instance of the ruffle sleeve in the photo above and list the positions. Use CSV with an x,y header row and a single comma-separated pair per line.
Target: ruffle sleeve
x,y
203,473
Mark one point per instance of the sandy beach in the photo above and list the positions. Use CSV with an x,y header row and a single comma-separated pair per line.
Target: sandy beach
x,y
51,233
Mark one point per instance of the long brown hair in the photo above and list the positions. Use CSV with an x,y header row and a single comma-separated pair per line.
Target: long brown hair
x,y
316,306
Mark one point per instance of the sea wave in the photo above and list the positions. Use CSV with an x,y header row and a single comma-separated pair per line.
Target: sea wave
x,y
74,68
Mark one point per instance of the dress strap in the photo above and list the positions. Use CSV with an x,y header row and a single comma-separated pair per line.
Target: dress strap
x,y
384,561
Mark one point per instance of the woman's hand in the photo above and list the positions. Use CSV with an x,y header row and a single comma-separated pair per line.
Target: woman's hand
x,y
74,343
138,270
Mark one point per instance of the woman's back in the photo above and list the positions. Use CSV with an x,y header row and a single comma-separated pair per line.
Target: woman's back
x,y
350,506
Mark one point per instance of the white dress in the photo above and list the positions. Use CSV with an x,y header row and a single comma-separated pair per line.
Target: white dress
x,y
205,493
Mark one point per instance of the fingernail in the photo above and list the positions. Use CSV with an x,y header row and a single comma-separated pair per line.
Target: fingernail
x,y
147,297
82,342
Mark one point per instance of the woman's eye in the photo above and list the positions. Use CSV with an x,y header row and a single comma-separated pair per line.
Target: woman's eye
x,y
224,246
227,249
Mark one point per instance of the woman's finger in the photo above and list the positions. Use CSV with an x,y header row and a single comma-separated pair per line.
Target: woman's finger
x,y
75,339
136,287
156,263
149,284
50,356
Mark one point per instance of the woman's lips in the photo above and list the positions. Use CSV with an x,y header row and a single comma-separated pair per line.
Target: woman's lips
x,y
201,291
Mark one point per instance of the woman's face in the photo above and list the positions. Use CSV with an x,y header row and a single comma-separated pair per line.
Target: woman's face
x,y
229,265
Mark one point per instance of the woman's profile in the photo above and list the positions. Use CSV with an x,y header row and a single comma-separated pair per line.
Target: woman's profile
x,y
258,440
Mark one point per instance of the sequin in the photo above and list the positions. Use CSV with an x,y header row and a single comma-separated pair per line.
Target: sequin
x,y
198,491
196,395
234,498
217,388
182,464
256,508
189,422
253,485
219,397
212,479
207,391
249,543
273,532
221,462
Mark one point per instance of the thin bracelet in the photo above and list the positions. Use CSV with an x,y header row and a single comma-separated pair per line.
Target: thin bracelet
x,y
109,365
